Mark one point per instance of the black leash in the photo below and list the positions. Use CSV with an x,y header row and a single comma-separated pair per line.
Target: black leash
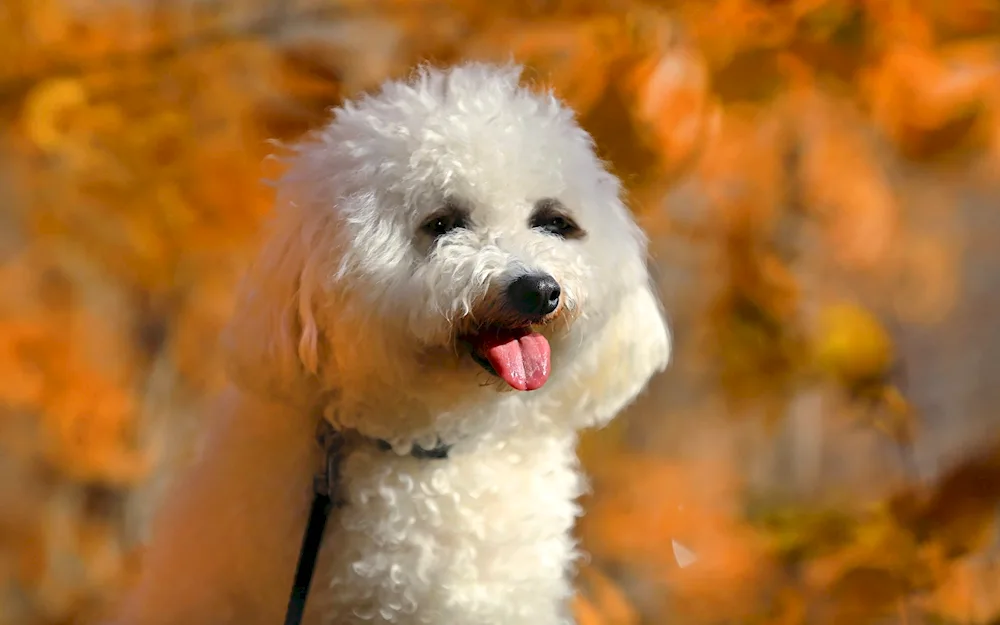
x,y
327,496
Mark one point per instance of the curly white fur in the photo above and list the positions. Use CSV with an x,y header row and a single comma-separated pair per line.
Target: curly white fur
x,y
350,312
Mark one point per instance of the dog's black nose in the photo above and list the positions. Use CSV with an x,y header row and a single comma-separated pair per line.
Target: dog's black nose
x,y
534,295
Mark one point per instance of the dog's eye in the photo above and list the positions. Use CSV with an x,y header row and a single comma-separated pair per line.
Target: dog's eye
x,y
443,223
550,217
557,225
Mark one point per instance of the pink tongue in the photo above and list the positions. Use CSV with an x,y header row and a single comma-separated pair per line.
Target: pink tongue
x,y
523,361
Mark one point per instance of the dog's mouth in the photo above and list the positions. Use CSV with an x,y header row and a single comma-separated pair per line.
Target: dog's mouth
x,y
519,356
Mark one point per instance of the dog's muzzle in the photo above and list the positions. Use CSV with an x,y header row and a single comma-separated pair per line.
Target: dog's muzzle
x,y
508,346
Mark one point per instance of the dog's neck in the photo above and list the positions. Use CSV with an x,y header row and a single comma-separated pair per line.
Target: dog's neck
x,y
404,421
331,411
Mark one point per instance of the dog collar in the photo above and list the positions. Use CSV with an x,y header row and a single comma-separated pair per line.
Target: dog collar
x,y
438,452
327,495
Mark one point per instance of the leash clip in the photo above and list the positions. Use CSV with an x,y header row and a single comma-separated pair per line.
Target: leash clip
x,y
327,482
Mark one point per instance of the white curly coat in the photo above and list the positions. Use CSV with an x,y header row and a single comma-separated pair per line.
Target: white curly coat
x,y
350,311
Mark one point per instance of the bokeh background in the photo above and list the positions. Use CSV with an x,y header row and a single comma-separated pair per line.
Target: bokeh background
x,y
819,180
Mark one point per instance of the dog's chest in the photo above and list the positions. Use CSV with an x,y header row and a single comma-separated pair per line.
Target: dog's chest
x,y
480,537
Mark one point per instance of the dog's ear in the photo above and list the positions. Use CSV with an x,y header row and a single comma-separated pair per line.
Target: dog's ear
x,y
273,340
631,347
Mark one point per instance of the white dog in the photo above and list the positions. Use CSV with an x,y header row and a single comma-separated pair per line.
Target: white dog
x,y
453,280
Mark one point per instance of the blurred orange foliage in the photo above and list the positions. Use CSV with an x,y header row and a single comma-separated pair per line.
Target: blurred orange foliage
x,y
811,174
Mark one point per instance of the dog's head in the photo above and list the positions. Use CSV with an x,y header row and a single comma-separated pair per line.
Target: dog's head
x,y
449,230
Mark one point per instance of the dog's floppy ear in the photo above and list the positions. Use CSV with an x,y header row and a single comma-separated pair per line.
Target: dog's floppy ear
x,y
632,346
273,340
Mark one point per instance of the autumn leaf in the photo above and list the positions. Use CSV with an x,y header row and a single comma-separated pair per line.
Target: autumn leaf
x,y
674,105
931,106
852,345
48,110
